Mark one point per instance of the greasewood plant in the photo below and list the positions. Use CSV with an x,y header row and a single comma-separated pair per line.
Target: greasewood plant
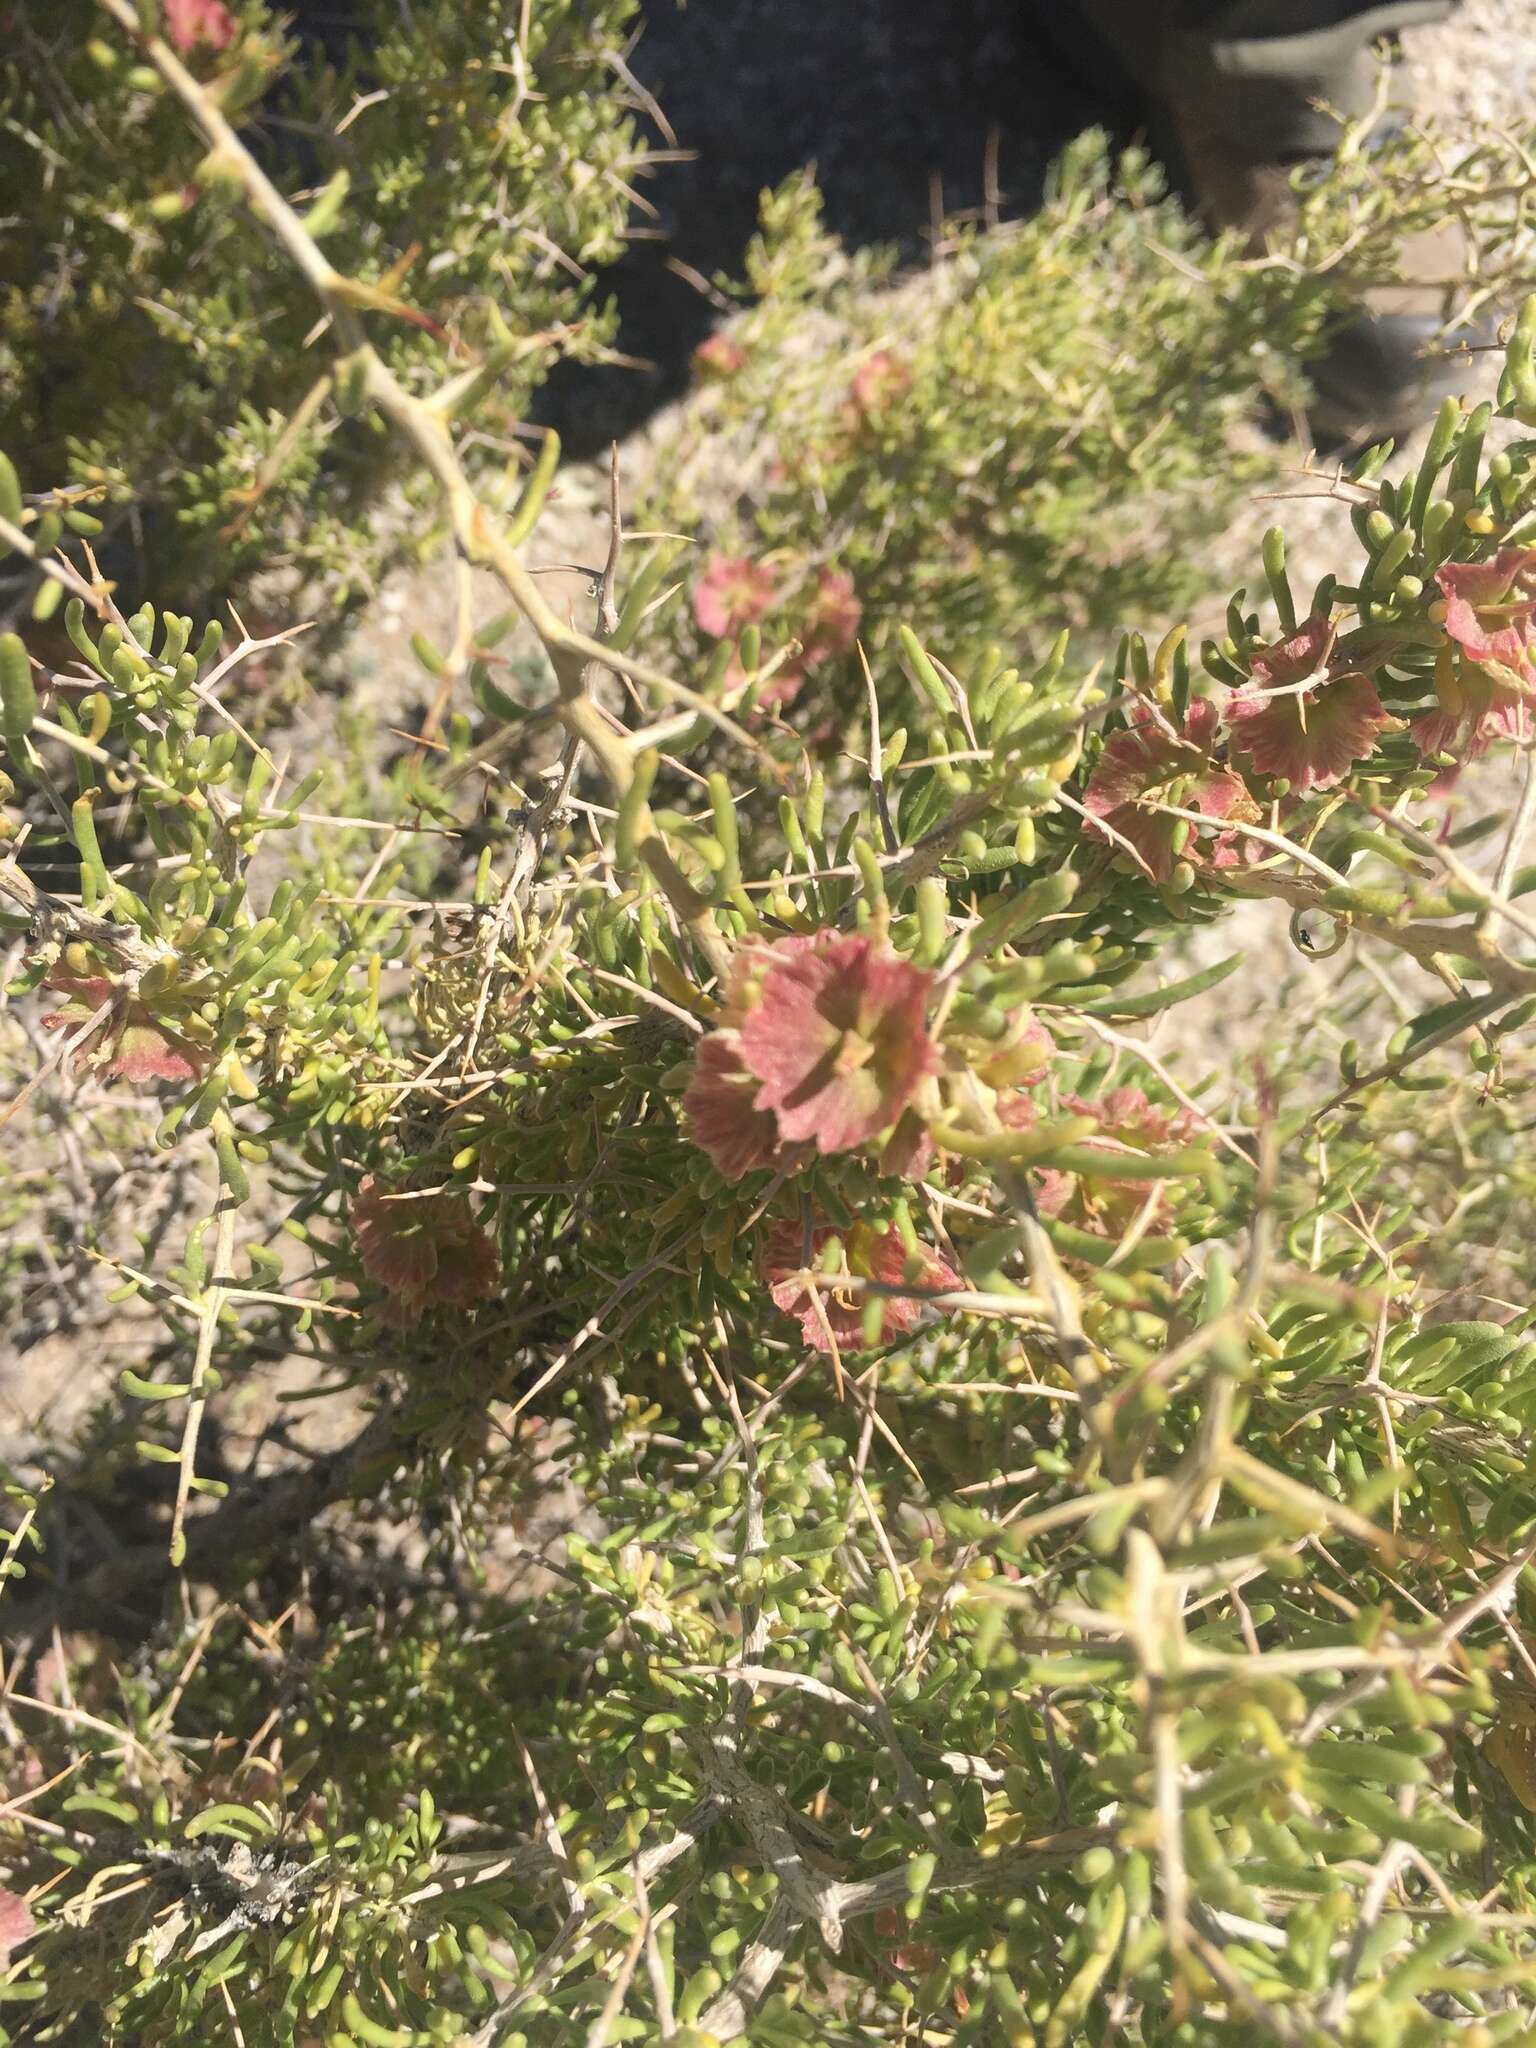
x,y
1044,1554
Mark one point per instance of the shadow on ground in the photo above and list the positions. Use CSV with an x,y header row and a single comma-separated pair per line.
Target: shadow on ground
x,y
905,108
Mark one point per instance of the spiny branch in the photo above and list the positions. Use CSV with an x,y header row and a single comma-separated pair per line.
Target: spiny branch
x,y
479,539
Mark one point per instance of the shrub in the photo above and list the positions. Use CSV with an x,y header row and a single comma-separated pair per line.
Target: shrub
x,y
1046,430
860,1493
156,360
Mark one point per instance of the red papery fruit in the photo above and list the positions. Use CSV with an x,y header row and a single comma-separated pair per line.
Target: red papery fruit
x,y
190,23
720,1104
1024,1061
718,357
1311,737
909,1152
1153,762
822,1042
780,689
879,381
1107,1204
835,1035
1485,679
871,1254
1293,659
733,593
1475,707
832,623
131,1043
1490,608
425,1251
16,1924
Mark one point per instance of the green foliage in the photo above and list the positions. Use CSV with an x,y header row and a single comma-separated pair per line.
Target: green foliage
x,y
154,352
863,1481
1041,433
